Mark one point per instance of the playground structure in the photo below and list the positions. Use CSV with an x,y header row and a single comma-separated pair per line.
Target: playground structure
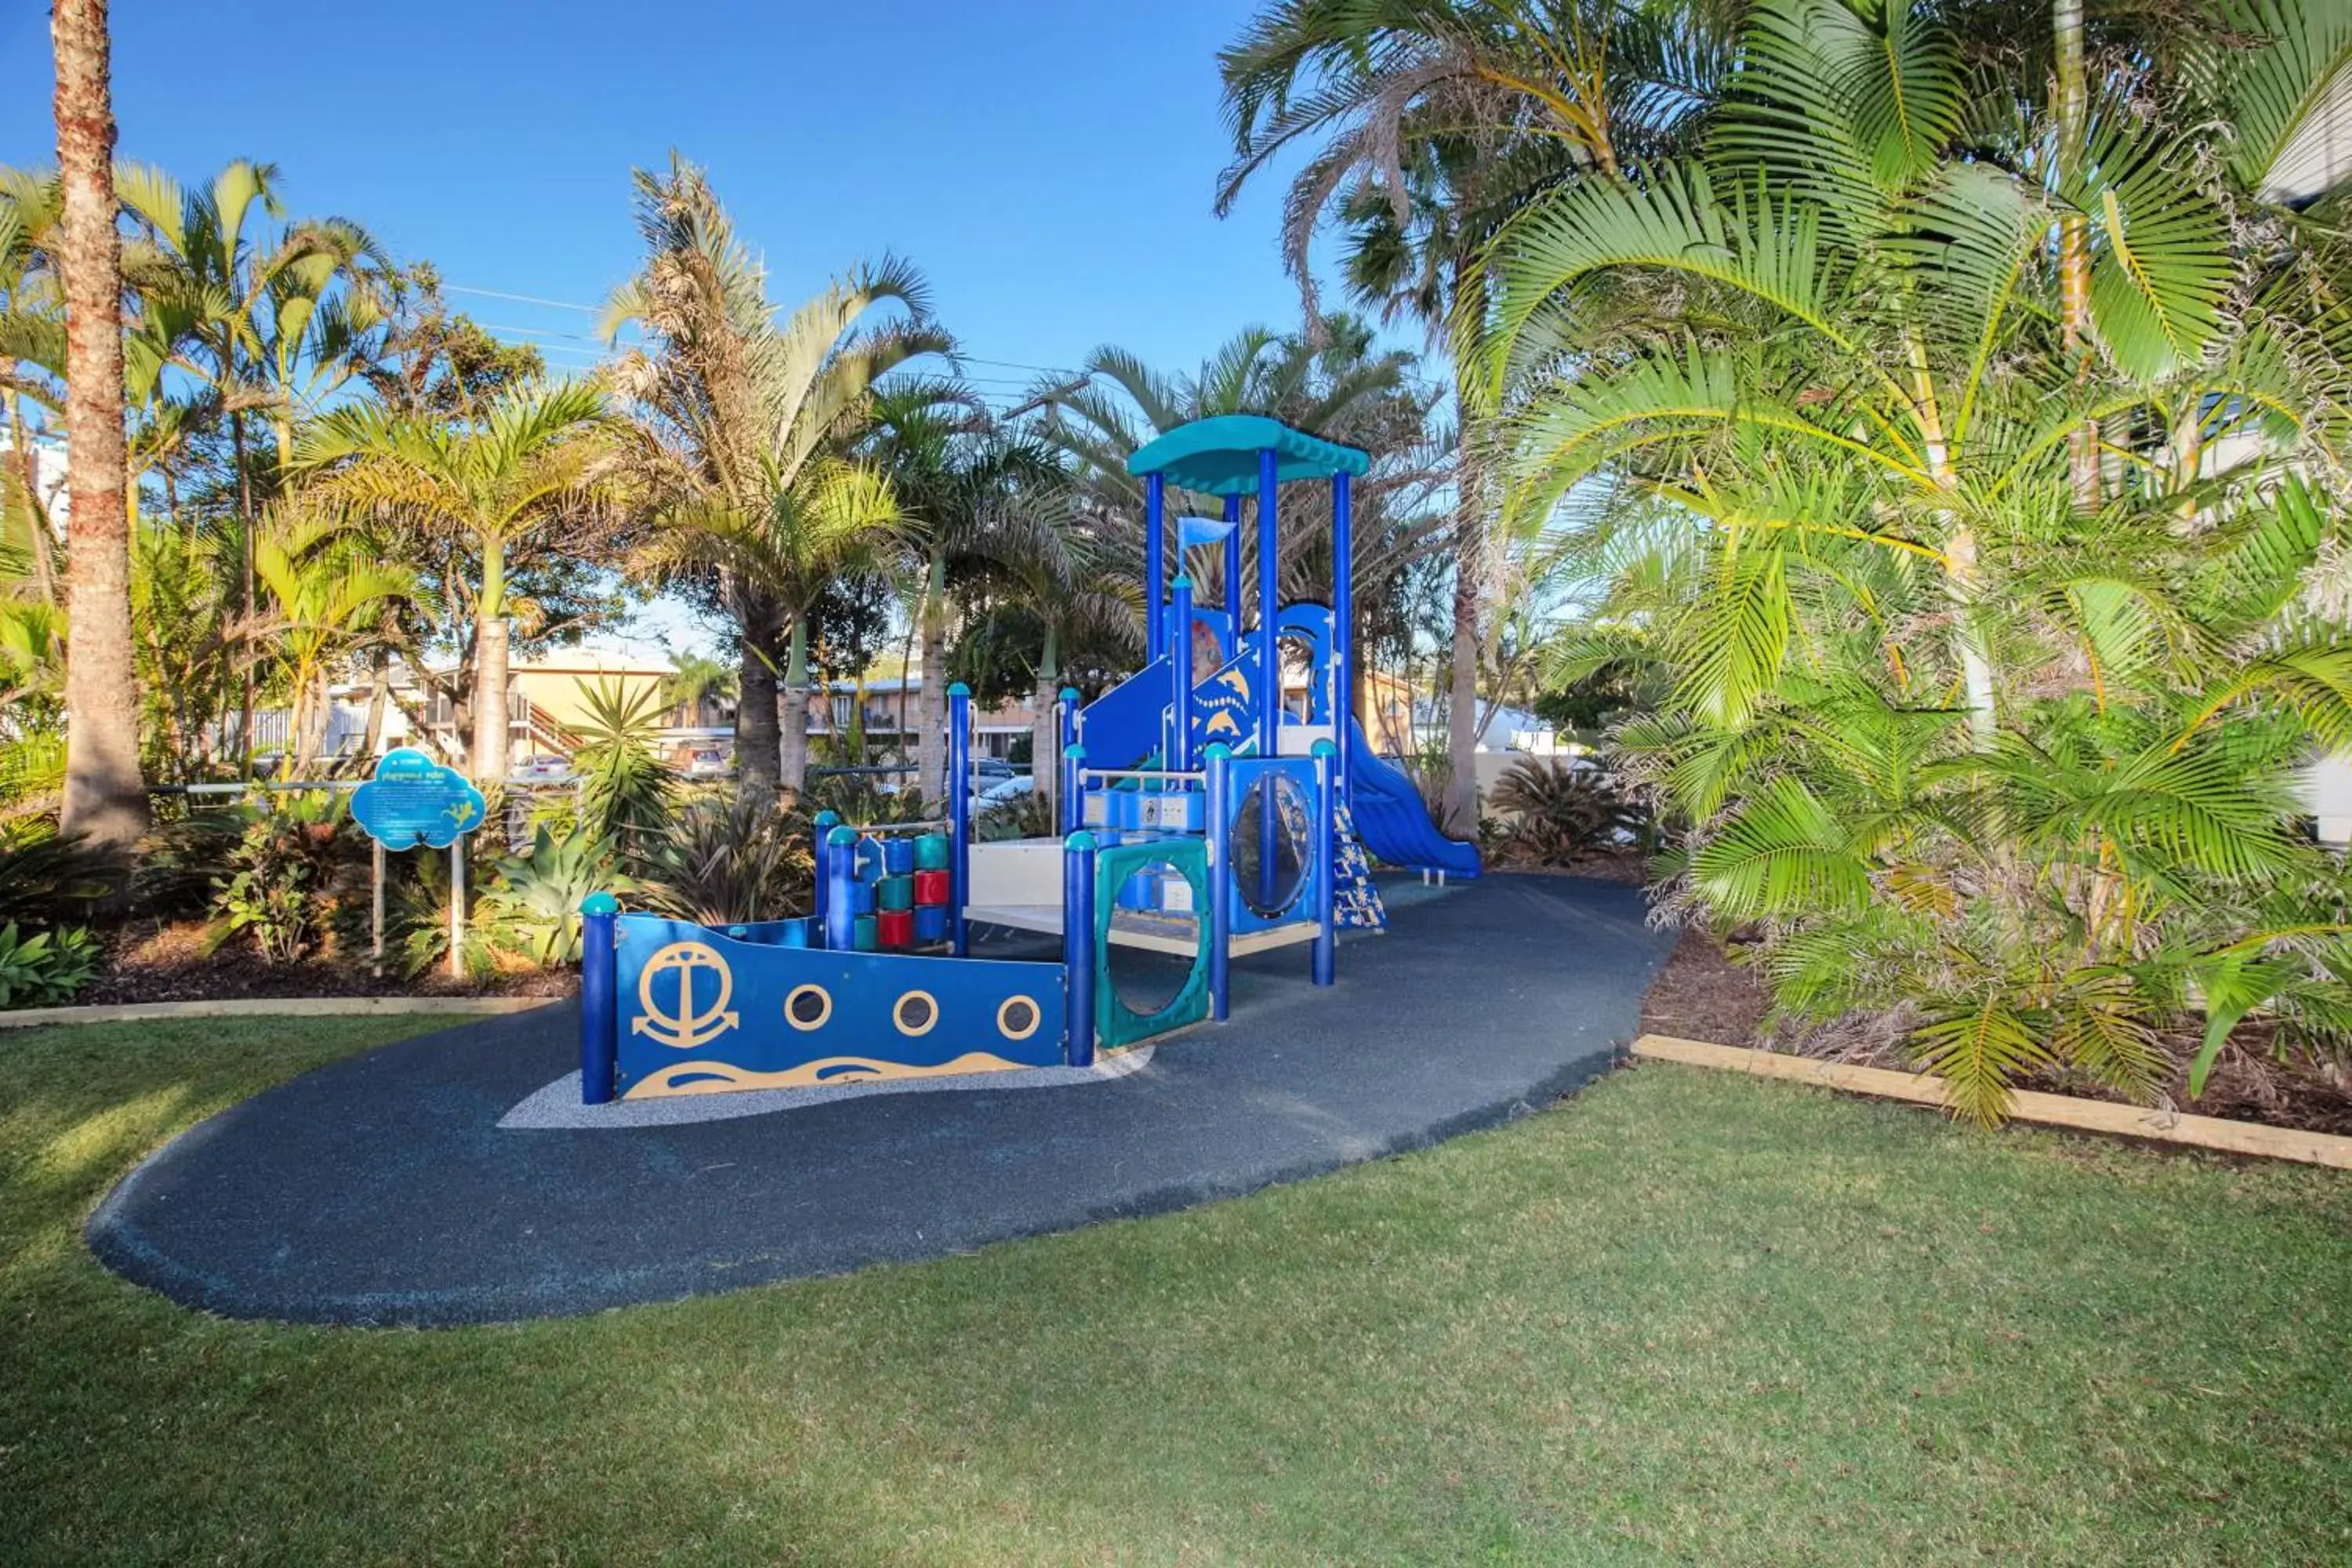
x,y
1199,818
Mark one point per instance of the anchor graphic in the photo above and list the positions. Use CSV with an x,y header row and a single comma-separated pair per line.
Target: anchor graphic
x,y
686,1028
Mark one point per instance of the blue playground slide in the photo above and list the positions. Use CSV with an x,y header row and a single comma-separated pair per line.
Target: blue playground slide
x,y
1392,821
1121,728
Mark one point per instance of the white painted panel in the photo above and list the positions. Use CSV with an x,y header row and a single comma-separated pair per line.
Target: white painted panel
x,y
1023,871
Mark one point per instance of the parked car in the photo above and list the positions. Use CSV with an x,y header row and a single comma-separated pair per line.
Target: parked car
x,y
988,771
709,762
544,769
1005,792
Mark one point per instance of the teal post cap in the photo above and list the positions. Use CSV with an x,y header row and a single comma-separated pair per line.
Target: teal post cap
x,y
1074,753
1081,839
1323,748
1218,752
824,819
600,903
1069,694
841,837
1183,584
958,689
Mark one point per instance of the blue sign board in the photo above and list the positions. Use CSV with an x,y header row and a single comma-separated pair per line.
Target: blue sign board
x,y
415,800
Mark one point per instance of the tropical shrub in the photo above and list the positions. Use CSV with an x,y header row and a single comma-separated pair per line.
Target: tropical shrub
x,y
283,877
534,907
416,914
859,798
45,874
1552,812
1977,508
721,862
44,969
625,789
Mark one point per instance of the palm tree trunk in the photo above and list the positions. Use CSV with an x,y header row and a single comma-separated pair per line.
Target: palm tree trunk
x,y
44,578
244,517
2074,241
1461,704
931,710
1044,735
756,741
105,796
379,699
792,711
490,759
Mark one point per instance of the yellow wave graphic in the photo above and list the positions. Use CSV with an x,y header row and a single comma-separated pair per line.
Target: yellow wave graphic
x,y
724,1078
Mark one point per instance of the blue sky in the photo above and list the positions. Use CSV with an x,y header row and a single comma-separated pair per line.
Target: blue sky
x,y
1049,163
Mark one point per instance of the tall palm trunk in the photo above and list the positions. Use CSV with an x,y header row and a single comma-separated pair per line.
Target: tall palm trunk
x,y
105,796
244,520
379,699
931,705
756,718
2072,105
1462,703
792,713
491,745
28,466
1044,735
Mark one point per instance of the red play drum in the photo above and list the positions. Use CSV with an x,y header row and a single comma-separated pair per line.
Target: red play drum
x,y
896,927
931,887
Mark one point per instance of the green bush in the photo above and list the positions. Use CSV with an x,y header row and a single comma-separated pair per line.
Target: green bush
x,y
289,869
46,968
534,907
726,863
1553,812
44,874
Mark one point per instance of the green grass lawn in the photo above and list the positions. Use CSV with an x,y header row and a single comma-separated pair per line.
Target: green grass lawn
x,y
1684,1318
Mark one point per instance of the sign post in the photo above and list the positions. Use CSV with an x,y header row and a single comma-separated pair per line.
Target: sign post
x,y
413,800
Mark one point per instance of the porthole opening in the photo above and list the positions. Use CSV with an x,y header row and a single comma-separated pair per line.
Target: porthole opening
x,y
916,1013
1018,1018
808,1007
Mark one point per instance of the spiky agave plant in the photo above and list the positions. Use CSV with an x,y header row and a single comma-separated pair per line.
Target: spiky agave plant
x,y
2001,751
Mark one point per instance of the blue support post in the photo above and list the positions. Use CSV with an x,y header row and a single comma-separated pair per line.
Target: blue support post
x,y
1079,948
958,814
1073,792
1326,827
840,857
1069,737
1155,562
1233,569
600,1014
1218,759
1179,667
1343,628
823,823
1269,587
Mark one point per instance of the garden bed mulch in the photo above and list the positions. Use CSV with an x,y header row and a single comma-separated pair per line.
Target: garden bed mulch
x,y
147,962
1701,994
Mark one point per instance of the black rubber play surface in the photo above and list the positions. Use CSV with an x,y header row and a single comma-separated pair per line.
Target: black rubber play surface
x,y
381,1191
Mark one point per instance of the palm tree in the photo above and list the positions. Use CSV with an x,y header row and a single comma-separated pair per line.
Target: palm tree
x,y
696,681
494,497
1429,121
270,319
746,425
1345,390
1997,753
329,596
32,337
105,795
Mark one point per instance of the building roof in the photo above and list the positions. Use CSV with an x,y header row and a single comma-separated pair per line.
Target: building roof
x,y
1218,456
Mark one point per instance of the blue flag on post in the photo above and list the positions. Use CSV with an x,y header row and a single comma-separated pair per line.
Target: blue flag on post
x,y
1192,531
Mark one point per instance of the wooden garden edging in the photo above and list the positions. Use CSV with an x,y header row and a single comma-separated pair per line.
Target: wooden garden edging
x,y
2051,1110
272,1007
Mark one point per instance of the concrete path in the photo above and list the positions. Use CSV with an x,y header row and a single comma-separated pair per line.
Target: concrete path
x,y
381,1190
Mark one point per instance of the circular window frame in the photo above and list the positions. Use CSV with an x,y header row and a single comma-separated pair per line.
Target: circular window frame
x,y
805,989
898,1011
1036,1017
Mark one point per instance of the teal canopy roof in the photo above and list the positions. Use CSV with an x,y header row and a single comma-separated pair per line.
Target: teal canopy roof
x,y
1219,457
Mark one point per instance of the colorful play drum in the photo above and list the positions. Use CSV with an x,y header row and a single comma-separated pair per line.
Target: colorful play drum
x,y
861,898
864,933
930,887
931,852
869,860
895,894
898,856
930,924
895,927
